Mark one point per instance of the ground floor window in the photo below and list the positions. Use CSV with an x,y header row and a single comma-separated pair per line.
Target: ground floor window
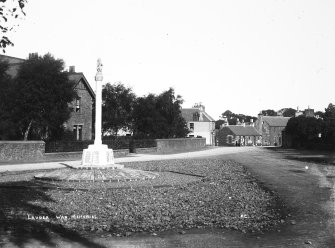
x,y
230,139
78,132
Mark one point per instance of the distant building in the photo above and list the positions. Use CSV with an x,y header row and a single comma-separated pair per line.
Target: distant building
x,y
307,112
237,135
81,120
271,128
200,123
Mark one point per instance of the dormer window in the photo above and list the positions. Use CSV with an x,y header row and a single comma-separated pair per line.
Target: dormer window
x,y
78,103
196,116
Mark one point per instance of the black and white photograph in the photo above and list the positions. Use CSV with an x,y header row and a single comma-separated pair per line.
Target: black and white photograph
x,y
163,124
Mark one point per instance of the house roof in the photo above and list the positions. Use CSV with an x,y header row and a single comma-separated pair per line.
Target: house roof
x,y
276,121
187,114
76,77
11,60
243,130
13,64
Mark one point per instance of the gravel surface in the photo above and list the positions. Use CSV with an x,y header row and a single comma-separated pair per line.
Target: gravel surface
x,y
187,194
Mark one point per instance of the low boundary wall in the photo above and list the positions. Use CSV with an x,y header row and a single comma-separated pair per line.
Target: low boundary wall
x,y
35,150
78,155
146,150
21,150
181,144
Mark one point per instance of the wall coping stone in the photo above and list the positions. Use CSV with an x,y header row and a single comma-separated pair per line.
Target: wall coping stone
x,y
21,142
181,139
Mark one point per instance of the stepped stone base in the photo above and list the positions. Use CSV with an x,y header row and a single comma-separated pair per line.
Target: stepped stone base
x,y
98,157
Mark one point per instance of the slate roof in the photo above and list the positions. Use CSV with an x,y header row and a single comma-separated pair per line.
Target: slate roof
x,y
11,60
76,77
14,64
243,131
187,114
276,121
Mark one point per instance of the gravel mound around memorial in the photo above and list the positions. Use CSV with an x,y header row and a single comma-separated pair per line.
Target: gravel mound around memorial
x,y
187,194
96,175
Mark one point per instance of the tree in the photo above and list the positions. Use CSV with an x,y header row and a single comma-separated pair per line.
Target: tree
x,y
228,113
320,114
117,107
218,124
329,124
7,126
289,112
42,96
304,130
330,112
234,118
159,116
9,11
269,112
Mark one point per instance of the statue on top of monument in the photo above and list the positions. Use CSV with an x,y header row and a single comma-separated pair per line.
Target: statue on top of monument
x,y
99,65
98,76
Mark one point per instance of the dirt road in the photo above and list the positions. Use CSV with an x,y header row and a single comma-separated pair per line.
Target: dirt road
x,y
307,189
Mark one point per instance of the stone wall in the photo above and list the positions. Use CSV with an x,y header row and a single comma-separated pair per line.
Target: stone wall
x,y
63,156
21,150
146,150
179,145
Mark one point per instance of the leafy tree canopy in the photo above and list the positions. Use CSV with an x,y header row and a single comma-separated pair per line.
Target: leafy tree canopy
x,y
7,126
330,112
288,112
320,114
329,124
310,130
218,123
269,112
304,129
159,116
117,107
9,11
234,118
42,96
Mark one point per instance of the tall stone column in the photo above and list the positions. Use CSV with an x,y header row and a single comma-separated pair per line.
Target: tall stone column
x,y
98,103
98,156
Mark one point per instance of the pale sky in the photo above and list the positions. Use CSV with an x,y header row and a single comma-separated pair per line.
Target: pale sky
x,y
241,55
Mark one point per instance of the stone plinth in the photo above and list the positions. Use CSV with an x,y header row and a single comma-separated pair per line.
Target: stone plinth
x,y
98,157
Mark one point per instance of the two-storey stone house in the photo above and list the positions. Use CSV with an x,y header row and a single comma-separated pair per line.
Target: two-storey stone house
x,y
271,128
200,123
81,120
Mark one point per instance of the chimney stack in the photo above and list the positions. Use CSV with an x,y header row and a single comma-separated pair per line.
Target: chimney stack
x,y
72,69
33,55
260,122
